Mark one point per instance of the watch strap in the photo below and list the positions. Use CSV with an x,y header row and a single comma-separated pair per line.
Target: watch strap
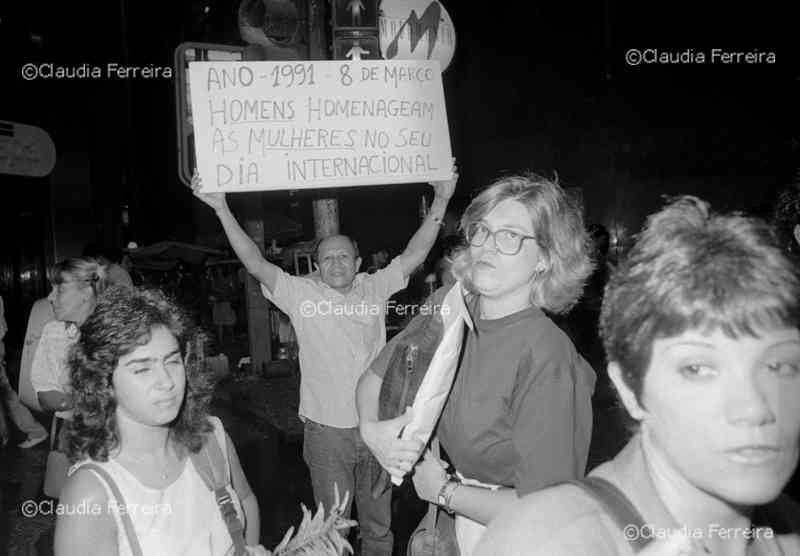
x,y
446,494
440,496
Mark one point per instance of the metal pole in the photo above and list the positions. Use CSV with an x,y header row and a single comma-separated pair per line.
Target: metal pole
x,y
326,217
326,211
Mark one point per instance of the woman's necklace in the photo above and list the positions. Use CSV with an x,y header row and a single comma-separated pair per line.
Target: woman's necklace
x,y
163,473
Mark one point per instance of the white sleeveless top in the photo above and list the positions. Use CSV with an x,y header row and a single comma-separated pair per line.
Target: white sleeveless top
x,y
182,518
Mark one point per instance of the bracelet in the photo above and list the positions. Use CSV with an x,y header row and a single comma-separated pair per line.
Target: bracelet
x,y
439,221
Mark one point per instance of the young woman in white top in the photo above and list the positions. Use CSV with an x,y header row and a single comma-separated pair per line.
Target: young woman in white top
x,y
141,409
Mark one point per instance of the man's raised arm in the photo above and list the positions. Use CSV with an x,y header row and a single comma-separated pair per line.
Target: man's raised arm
x,y
421,242
244,247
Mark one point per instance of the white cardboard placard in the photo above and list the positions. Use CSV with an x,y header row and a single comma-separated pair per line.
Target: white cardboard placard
x,y
312,124
435,386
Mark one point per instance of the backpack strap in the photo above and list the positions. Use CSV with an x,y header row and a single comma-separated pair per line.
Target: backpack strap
x,y
127,524
618,506
211,464
213,468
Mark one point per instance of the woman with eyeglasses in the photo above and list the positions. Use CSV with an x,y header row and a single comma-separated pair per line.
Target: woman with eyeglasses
x,y
518,417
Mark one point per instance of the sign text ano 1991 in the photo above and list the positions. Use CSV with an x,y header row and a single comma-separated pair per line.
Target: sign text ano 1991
x,y
294,125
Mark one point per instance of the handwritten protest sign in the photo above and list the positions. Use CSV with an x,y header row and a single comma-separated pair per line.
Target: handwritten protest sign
x,y
296,125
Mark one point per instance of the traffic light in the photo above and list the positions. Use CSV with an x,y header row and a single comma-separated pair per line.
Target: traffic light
x,y
355,15
356,47
355,29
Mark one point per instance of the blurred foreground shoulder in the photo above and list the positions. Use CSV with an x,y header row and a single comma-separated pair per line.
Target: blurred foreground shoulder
x,y
557,521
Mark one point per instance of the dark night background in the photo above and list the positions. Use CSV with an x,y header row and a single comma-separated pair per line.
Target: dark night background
x,y
533,85
539,86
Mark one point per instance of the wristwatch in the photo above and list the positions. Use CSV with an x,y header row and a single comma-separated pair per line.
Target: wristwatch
x,y
445,496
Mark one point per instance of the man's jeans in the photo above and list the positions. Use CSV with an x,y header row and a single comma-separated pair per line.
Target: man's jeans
x,y
339,456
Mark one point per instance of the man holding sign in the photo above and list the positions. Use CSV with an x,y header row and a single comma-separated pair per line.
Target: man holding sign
x,y
339,317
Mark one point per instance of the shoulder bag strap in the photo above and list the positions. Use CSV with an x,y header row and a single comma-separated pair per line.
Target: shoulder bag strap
x,y
433,509
213,469
619,507
54,433
130,532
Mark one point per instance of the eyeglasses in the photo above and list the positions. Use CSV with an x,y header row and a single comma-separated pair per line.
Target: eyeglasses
x,y
507,242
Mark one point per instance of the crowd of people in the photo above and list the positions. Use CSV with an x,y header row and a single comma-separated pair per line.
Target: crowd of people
x,y
697,338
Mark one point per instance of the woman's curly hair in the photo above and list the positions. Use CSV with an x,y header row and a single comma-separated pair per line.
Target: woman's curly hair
x,y
122,321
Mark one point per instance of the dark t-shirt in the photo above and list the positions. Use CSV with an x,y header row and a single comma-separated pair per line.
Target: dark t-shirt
x,y
519,414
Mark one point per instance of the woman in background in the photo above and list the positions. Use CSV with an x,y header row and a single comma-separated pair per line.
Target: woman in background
x,y
76,284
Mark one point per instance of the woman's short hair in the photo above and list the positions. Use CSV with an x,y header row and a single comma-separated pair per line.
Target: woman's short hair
x,y
122,321
558,226
691,268
786,216
93,272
